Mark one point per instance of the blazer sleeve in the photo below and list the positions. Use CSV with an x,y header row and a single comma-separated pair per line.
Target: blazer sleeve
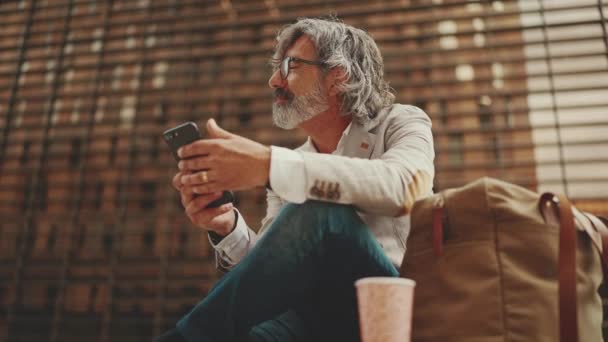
x,y
387,185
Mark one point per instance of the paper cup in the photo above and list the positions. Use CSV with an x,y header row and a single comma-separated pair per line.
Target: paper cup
x,y
385,308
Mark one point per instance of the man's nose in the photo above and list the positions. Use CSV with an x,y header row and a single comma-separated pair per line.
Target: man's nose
x,y
276,81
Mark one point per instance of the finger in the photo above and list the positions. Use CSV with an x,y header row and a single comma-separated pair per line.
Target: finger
x,y
186,196
176,181
215,131
198,148
199,178
204,216
195,164
207,188
189,189
201,202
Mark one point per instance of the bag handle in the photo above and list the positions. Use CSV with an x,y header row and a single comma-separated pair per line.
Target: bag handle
x,y
561,215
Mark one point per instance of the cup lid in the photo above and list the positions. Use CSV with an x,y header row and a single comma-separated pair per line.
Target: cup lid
x,y
385,281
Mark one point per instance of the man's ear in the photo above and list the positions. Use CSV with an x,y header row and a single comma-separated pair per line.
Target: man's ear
x,y
336,78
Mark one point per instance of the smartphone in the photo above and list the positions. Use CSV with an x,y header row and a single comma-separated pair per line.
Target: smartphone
x,y
185,134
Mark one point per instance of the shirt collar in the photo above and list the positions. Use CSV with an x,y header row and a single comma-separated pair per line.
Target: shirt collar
x,y
310,147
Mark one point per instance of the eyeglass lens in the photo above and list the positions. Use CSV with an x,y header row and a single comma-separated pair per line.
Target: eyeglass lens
x,y
285,67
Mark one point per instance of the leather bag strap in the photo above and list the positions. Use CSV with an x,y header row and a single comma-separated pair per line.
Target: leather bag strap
x,y
556,209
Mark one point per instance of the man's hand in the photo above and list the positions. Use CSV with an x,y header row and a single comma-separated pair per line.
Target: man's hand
x,y
219,220
228,161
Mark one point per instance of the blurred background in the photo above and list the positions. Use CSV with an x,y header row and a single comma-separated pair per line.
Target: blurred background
x,y
94,242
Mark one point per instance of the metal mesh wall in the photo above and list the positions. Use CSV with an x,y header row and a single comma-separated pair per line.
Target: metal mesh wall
x,y
95,245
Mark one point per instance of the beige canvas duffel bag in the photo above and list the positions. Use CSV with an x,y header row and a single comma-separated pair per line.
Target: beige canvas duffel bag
x,y
494,261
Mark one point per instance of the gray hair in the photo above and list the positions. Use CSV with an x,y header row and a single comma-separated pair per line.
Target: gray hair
x,y
365,91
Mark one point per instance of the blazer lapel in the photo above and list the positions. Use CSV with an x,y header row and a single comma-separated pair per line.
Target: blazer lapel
x,y
359,142
361,139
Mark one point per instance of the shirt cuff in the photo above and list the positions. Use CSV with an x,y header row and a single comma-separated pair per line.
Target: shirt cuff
x,y
287,174
234,245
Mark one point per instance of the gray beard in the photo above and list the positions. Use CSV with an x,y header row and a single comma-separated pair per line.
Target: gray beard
x,y
299,109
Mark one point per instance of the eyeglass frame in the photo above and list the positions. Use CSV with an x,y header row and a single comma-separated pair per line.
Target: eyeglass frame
x,y
285,64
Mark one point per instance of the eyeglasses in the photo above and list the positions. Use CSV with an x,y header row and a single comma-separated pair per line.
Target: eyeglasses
x,y
284,66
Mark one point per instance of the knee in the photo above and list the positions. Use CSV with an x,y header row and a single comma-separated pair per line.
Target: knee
x,y
325,209
321,216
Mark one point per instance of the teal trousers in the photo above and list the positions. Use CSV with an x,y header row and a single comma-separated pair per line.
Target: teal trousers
x,y
296,284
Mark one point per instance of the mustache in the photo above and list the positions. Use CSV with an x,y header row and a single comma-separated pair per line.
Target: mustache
x,y
284,93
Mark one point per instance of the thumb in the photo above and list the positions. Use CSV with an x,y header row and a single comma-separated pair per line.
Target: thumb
x,y
216,131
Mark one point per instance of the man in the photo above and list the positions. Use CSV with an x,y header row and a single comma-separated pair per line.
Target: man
x,y
337,206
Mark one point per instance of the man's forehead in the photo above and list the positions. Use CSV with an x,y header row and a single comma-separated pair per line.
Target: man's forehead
x,y
303,47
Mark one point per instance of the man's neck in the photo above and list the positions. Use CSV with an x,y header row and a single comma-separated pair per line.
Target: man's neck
x,y
325,130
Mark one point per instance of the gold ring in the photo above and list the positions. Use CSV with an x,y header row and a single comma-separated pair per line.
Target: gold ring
x,y
204,176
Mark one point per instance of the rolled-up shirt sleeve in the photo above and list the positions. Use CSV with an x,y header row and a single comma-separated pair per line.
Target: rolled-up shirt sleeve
x,y
235,245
